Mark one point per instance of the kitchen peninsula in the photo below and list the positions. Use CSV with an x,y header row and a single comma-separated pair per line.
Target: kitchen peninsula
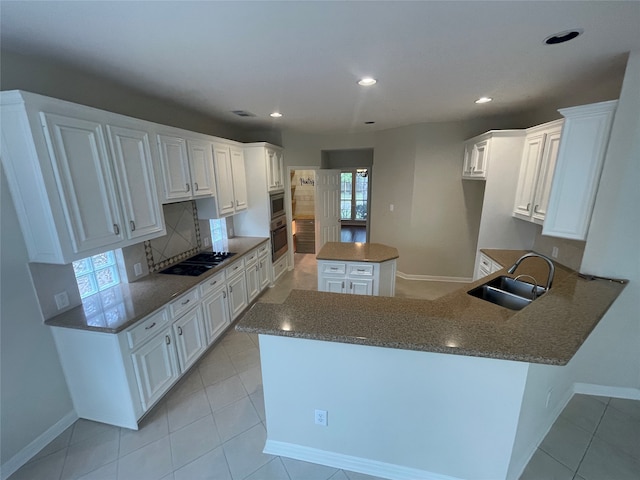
x,y
357,268
455,388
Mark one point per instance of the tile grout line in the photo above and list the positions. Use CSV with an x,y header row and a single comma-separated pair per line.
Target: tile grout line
x,y
593,435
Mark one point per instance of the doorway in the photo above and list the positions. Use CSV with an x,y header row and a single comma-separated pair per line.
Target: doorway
x,y
354,204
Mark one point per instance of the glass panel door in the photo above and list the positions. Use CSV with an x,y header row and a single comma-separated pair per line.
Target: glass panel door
x,y
354,187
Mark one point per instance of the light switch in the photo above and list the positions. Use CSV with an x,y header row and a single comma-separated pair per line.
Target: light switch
x,y
62,300
391,207
137,269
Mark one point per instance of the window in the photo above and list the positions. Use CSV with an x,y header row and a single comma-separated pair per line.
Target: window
x,y
97,273
354,187
219,235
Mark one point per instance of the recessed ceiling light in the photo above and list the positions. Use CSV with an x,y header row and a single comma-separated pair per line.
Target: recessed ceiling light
x,y
484,100
369,122
367,81
563,36
275,115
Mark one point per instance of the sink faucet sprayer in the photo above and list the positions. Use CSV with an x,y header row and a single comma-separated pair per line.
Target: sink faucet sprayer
x,y
552,268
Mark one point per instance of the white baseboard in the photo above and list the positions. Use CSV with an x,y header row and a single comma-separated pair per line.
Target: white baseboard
x,y
350,463
433,278
606,391
28,452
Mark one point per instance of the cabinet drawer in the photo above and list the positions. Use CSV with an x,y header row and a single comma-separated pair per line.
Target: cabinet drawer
x,y
235,268
251,258
212,284
184,303
263,249
147,328
359,270
334,268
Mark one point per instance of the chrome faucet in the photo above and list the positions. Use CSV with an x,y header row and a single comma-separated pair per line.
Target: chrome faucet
x,y
552,268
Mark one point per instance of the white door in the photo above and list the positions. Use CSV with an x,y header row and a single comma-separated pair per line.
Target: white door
x,y
175,168
237,295
239,179
201,168
190,338
331,284
136,181
253,281
545,175
79,158
224,180
216,314
528,173
327,207
155,367
361,286
263,264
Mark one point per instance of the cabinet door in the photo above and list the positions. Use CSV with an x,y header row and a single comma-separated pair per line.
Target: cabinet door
x,y
237,295
332,284
545,176
136,181
263,264
216,314
155,367
224,180
201,168
361,286
175,168
480,159
275,174
85,182
529,167
190,338
253,281
466,165
239,179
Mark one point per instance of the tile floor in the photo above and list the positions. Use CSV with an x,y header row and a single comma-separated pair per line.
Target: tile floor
x,y
212,425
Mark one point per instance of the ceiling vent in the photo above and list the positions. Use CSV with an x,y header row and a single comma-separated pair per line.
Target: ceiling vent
x,y
243,113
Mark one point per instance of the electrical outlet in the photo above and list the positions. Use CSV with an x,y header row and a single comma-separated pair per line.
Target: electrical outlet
x,y
207,241
391,207
62,300
321,417
554,252
137,269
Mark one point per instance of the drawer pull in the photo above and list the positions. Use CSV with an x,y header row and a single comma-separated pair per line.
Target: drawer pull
x,y
213,283
167,339
180,331
132,224
361,269
195,186
334,268
187,186
224,294
150,326
186,301
116,229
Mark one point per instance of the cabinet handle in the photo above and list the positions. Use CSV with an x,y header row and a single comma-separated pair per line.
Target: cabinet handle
x,y
213,283
132,224
180,331
342,284
150,326
350,285
257,268
116,229
186,301
167,339
535,209
334,268
528,206
224,294
195,186
230,289
237,203
360,269
473,169
188,186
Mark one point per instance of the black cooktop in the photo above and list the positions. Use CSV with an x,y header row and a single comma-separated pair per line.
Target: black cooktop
x,y
198,264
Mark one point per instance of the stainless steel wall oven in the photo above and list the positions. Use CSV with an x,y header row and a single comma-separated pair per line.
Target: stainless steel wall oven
x,y
279,237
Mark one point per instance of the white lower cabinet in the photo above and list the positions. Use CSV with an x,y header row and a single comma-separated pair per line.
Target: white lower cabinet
x,y
485,266
238,299
191,341
156,368
264,274
279,267
216,314
357,278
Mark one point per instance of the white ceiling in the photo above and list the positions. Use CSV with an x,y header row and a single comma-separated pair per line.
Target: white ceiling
x,y
432,59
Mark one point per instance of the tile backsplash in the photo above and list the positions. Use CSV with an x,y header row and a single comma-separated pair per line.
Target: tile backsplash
x,y
182,239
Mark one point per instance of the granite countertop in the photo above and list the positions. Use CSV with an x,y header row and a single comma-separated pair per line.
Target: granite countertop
x,y
130,302
549,331
357,252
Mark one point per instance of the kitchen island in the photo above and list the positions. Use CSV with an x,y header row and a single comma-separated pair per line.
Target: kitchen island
x,y
357,268
455,388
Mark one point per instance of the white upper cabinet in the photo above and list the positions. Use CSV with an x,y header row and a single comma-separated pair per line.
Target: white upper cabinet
x,y
585,137
86,186
136,181
275,169
536,171
187,168
231,183
82,179
476,158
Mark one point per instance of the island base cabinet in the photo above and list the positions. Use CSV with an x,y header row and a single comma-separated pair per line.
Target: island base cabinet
x,y
357,278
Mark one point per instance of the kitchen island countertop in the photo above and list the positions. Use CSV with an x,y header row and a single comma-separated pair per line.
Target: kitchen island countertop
x,y
357,252
549,331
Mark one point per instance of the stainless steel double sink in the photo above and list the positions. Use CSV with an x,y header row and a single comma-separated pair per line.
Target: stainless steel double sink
x,y
508,292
